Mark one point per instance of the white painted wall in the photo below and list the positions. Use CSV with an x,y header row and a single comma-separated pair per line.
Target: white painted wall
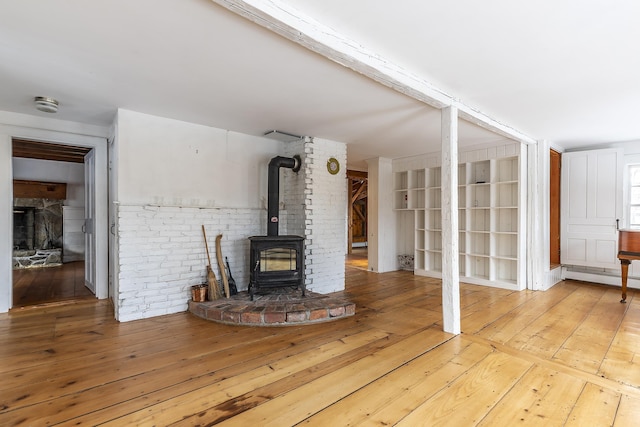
x,y
381,217
325,220
172,163
53,171
162,254
172,178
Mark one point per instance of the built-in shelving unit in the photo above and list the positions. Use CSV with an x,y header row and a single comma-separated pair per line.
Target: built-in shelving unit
x,y
490,219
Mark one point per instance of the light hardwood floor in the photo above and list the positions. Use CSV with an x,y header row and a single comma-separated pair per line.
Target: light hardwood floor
x,y
565,357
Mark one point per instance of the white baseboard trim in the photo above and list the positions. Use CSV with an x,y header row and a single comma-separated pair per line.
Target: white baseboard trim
x,y
604,279
552,277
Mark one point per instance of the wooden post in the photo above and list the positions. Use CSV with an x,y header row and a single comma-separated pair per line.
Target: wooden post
x,y
449,186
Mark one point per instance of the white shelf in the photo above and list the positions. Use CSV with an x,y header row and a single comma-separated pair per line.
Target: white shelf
x,y
433,177
505,220
416,198
433,261
478,267
489,220
480,220
479,172
419,220
505,270
401,181
418,260
479,196
506,170
401,199
505,195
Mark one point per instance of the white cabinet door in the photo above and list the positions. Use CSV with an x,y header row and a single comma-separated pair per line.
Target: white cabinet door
x,y
591,205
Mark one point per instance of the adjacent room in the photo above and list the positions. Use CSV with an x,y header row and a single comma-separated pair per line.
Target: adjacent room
x,y
48,223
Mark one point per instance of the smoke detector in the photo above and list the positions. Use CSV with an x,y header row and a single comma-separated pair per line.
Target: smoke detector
x,y
46,104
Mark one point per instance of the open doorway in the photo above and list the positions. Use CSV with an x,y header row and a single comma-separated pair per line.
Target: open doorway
x,y
357,255
48,223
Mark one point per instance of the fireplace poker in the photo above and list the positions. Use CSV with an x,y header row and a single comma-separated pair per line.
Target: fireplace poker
x,y
233,289
212,282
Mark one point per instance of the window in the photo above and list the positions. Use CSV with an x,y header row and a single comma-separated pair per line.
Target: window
x,y
634,196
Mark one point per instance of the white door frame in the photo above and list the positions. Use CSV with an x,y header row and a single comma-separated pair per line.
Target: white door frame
x,y
59,132
89,221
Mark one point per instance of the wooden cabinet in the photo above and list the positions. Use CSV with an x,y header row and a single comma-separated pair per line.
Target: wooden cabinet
x,y
491,220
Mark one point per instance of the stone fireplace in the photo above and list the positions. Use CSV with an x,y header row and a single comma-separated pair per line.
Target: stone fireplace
x,y
37,232
23,228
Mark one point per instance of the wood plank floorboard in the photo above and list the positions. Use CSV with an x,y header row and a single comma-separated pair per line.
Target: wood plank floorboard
x,y
33,286
389,399
596,404
541,397
466,399
566,357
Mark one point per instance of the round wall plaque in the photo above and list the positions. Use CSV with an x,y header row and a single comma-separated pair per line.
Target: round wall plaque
x,y
333,166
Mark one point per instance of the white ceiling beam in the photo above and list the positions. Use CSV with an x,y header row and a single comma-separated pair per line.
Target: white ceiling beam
x,y
476,117
293,25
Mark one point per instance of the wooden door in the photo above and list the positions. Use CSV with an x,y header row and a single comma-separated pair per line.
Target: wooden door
x,y
554,203
591,207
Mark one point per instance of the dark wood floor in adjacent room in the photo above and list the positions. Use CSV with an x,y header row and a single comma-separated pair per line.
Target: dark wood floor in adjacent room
x,y
32,286
565,357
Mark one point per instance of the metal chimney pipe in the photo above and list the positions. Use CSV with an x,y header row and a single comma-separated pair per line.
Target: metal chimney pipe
x,y
273,200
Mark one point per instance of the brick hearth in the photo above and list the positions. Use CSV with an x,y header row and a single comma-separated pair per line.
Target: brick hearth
x,y
281,307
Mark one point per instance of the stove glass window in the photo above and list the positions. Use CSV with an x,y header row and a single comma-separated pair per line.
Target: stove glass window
x,y
278,259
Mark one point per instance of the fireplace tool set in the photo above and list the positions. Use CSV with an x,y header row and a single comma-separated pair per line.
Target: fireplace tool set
x,y
215,291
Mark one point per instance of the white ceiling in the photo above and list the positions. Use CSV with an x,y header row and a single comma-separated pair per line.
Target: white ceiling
x,y
566,71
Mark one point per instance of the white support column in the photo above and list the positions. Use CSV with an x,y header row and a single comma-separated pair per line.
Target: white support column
x,y
537,215
449,186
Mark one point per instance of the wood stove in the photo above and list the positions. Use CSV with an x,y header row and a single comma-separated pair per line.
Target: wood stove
x,y
276,261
